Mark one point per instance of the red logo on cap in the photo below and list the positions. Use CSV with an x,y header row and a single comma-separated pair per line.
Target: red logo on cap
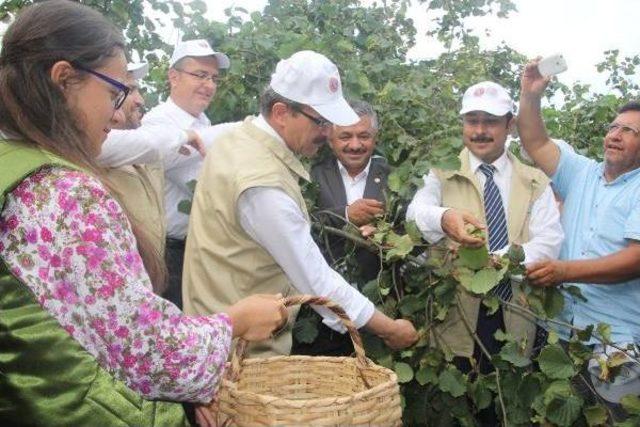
x,y
334,85
478,92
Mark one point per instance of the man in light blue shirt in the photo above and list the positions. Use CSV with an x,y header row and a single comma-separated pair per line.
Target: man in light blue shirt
x,y
601,216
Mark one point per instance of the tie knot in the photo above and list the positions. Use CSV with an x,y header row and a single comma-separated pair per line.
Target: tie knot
x,y
487,170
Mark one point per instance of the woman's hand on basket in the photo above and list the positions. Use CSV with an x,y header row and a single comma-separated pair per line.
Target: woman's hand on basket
x,y
257,317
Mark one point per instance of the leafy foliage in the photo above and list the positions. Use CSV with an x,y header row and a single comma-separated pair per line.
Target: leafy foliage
x,y
420,129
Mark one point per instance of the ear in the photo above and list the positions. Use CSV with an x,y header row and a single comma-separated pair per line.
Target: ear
x,y
173,77
62,73
280,113
511,126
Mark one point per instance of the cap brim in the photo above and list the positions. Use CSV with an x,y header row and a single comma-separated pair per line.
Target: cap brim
x,y
338,112
487,108
138,71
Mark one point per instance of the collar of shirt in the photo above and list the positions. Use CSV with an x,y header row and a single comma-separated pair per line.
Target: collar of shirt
x,y
261,123
501,163
361,176
184,119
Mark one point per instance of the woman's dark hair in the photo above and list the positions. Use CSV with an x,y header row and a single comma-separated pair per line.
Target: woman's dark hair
x,y
34,109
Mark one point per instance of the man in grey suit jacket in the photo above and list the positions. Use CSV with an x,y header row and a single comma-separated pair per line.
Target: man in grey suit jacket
x,y
352,185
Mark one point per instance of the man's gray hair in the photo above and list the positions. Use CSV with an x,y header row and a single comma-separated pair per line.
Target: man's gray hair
x,y
270,97
363,108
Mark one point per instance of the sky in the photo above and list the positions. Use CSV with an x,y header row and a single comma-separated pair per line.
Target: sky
x,y
581,30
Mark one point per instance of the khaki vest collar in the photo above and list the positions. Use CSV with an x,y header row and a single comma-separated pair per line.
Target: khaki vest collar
x,y
280,150
524,186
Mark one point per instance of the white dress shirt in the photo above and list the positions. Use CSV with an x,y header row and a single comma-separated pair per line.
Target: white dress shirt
x,y
545,230
180,169
144,145
274,220
354,186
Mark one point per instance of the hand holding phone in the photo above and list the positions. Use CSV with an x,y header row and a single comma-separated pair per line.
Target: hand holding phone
x,y
552,65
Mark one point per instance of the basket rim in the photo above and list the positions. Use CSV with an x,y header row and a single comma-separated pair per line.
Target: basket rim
x,y
232,386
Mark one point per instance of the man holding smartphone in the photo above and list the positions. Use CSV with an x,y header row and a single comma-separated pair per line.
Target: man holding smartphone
x,y
601,217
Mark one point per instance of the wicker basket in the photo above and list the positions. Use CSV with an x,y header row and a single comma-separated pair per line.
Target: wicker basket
x,y
310,391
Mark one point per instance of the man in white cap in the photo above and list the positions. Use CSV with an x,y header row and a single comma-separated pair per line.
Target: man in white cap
x,y
132,157
194,72
494,191
249,230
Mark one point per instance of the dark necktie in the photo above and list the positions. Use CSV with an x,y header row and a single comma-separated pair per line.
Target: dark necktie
x,y
496,224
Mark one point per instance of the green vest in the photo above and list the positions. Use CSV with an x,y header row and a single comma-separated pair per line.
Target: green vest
x,y
46,377
222,263
461,190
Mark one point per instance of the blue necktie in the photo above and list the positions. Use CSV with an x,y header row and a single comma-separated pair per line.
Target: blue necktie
x,y
496,224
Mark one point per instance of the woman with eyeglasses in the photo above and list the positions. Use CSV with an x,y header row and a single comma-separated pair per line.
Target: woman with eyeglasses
x,y
84,340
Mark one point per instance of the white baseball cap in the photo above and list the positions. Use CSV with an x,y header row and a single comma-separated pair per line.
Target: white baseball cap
x,y
138,69
198,47
489,97
312,79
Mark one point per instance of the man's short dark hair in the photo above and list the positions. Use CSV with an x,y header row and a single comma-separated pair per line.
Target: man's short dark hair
x,y
270,97
629,106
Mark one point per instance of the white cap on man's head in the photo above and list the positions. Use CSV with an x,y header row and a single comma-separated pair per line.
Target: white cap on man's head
x,y
199,47
310,78
138,69
489,97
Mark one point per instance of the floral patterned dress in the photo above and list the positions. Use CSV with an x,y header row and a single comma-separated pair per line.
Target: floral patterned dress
x,y
70,243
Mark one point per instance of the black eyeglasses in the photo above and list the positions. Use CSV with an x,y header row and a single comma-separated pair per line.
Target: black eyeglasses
x,y
203,77
318,121
123,89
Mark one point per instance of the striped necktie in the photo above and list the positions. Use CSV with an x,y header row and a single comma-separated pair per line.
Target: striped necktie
x,y
496,224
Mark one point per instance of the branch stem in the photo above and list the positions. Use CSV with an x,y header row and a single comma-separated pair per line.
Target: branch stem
x,y
484,350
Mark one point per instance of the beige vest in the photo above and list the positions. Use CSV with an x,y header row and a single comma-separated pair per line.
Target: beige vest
x,y
141,189
461,190
222,263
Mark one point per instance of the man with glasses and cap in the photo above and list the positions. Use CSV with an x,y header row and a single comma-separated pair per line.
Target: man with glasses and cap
x,y
249,230
601,218
494,191
132,155
194,71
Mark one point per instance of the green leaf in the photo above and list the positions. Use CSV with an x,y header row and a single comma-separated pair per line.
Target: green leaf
x,y
402,246
473,258
553,301
482,281
184,206
511,353
191,185
451,381
555,363
631,404
585,334
492,303
480,394
575,292
410,304
403,371
413,231
595,415
604,331
427,375
553,337
306,329
564,412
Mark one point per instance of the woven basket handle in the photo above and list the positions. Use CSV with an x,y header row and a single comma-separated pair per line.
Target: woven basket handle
x,y
362,361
